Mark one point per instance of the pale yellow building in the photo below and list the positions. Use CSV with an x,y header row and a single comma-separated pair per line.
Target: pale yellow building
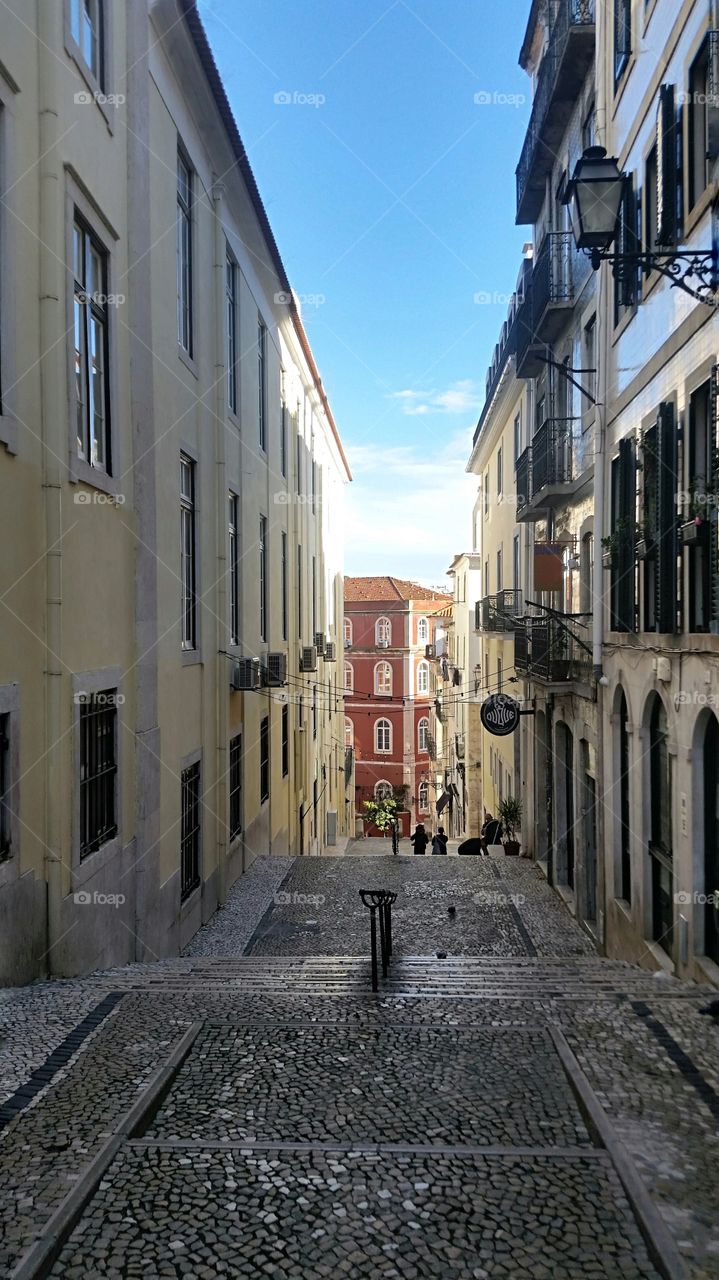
x,y
171,484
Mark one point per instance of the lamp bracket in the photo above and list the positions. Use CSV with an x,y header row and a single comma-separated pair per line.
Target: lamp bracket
x,y
698,265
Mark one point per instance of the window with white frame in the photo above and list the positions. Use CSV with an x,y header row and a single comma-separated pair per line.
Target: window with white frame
x,y
422,631
383,736
232,330
383,790
233,530
422,733
423,797
184,254
86,26
383,632
347,632
349,732
188,569
383,678
349,677
262,382
423,677
91,325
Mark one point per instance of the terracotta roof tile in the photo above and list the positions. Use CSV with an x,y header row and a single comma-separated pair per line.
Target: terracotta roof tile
x,y
389,588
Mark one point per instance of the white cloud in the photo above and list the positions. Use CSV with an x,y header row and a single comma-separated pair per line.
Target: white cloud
x,y
461,397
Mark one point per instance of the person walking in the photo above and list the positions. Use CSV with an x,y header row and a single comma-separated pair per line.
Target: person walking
x,y
491,831
420,839
439,841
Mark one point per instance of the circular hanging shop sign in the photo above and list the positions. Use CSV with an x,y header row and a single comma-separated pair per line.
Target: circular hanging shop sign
x,y
499,714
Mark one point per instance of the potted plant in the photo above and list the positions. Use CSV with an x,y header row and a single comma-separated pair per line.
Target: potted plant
x,y
695,530
510,813
379,814
645,543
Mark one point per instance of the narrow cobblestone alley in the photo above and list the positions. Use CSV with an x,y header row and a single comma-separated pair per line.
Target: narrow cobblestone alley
x,y
519,1108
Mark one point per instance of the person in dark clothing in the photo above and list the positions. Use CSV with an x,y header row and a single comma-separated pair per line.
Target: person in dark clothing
x,y
439,842
420,839
491,831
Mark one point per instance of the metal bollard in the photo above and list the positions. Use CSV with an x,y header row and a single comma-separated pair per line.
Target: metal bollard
x,y
381,899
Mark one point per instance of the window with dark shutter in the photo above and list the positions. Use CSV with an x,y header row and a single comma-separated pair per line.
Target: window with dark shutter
x,y
622,592
714,514
626,274
666,582
667,177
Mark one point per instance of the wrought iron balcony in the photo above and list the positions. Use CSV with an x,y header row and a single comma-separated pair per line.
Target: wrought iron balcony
x,y
523,478
431,747
498,612
555,653
554,467
563,70
559,275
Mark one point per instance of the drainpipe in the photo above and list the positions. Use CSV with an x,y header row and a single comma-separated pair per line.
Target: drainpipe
x,y
53,383
221,497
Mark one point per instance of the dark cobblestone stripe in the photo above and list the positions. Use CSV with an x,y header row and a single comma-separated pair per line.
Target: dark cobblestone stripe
x,y
58,1059
681,1060
266,918
514,912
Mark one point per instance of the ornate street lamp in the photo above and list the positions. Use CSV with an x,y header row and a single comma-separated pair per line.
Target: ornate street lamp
x,y
595,194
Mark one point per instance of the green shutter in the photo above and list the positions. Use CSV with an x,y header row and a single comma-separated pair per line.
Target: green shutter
x,y
666,167
666,521
626,559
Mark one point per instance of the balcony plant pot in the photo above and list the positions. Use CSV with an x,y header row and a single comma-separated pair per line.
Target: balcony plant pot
x,y
607,560
643,548
694,532
511,848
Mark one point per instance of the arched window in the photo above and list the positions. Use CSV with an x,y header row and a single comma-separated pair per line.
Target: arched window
x,y
383,790
348,632
349,677
423,631
383,678
660,840
422,732
423,677
349,732
383,736
423,797
383,633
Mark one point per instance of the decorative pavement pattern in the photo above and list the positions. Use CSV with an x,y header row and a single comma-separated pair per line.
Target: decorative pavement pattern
x,y
520,1109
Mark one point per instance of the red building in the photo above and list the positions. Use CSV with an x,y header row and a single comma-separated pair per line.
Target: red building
x,y
389,628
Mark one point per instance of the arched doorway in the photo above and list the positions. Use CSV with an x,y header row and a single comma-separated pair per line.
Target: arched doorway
x,y
711,838
564,746
660,827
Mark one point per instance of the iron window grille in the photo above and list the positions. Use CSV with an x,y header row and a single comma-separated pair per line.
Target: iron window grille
x,y
233,533
235,786
98,770
285,741
91,348
187,552
264,760
5,783
190,830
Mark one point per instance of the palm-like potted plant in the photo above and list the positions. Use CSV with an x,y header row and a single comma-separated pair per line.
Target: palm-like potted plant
x,y
510,813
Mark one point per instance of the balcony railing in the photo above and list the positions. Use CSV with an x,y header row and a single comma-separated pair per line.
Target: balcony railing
x,y
524,480
561,74
553,467
559,275
498,612
552,454
548,650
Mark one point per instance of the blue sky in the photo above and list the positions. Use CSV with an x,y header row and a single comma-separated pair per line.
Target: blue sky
x,y
390,189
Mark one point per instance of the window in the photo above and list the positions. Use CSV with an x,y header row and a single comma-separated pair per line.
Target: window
x,y
422,631
5,783
184,254
349,732
314,485
383,678
263,577
231,308
626,275
285,740
299,591
622,35
284,585
589,360
589,128
314,598
702,106
98,769
517,437
625,885
499,570
190,830
349,677
586,573
382,737
701,554
486,493
422,733
86,25
187,552
660,844
500,676
383,633
499,473
236,786
486,577
299,464
383,790
423,677
264,759
314,711
283,442
650,201
91,325
233,533
262,383
516,564
623,566
347,631
423,797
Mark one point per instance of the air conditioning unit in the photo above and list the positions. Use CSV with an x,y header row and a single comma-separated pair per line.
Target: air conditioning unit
x,y
246,674
275,672
320,642
331,826
430,651
308,658
330,654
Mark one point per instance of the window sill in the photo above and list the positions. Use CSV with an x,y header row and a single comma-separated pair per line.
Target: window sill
x,y
8,432
658,953
74,52
621,79
189,361
188,904
82,473
624,323
191,657
699,209
90,865
625,908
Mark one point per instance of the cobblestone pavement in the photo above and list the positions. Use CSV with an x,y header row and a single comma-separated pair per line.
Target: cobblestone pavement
x,y
520,1109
